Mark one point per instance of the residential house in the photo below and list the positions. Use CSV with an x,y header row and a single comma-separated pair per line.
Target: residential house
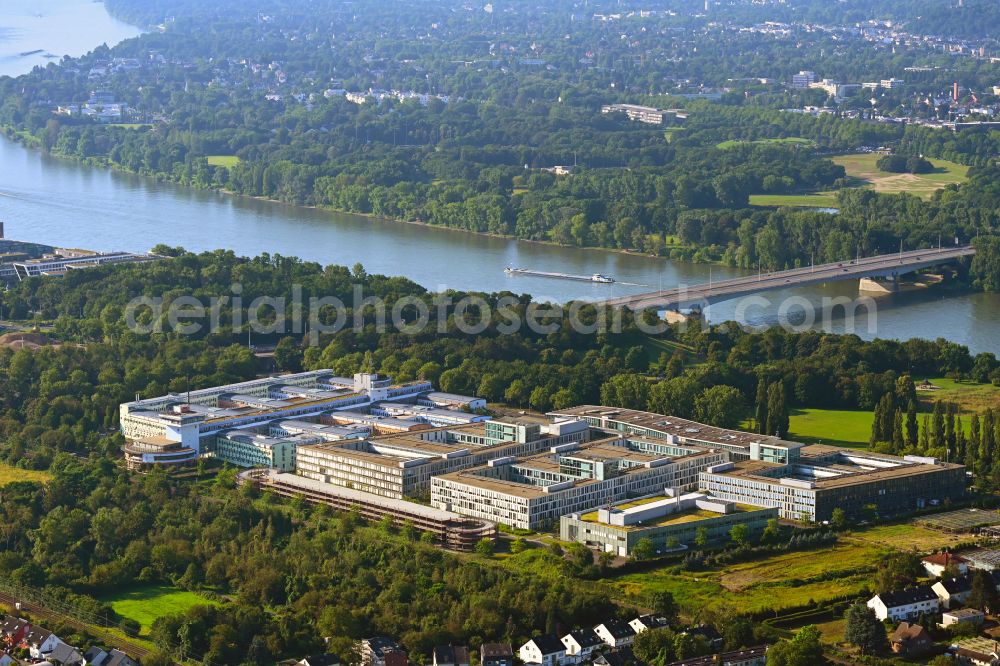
x,y
544,650
942,564
644,622
320,660
382,651
581,644
12,630
709,634
40,641
7,660
450,655
618,657
754,656
910,640
906,604
953,592
496,654
119,658
962,616
616,633
65,655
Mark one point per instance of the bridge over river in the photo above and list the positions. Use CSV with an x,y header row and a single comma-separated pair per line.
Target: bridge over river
x,y
880,267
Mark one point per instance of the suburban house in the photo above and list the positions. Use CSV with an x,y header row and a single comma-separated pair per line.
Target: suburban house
x,y
40,642
319,660
496,654
450,655
906,604
581,644
910,640
544,650
962,616
100,656
616,633
618,657
644,622
754,656
382,651
12,629
942,564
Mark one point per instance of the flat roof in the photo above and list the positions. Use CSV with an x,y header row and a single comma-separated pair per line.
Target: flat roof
x,y
602,449
406,506
678,427
768,472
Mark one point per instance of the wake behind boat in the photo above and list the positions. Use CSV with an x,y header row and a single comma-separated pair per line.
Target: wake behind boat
x,y
596,277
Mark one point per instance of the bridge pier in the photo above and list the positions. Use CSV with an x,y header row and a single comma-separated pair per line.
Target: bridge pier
x,y
879,285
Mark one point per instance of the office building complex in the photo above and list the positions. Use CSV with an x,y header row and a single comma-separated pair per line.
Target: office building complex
x,y
824,478
262,422
669,523
737,444
533,492
403,465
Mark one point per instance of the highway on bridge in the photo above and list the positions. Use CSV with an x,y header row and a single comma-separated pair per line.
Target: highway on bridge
x,y
880,266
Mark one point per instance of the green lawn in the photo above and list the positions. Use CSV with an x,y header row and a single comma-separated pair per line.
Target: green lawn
x,y
10,474
228,161
820,200
146,604
839,427
862,172
862,168
793,140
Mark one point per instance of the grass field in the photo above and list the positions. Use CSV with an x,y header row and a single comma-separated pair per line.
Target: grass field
x,y
820,200
862,172
146,604
785,580
968,396
862,168
792,140
9,474
773,583
831,426
228,161
904,536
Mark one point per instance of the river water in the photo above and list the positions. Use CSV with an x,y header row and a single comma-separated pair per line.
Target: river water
x,y
55,202
36,32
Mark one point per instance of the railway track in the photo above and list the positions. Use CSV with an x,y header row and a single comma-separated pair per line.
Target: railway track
x,y
111,640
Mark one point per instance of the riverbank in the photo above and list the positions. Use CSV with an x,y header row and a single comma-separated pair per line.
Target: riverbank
x,y
34,143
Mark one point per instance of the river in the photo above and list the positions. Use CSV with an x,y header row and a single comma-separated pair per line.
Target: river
x,y
35,32
61,203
